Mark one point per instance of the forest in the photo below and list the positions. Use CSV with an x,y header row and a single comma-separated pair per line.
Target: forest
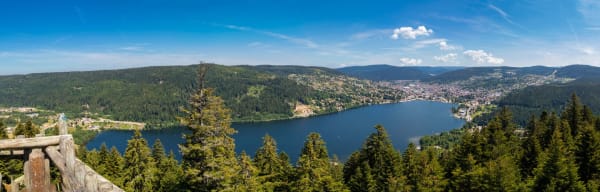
x,y
154,94
553,152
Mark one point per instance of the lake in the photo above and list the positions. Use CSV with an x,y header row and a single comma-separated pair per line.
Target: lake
x,y
344,132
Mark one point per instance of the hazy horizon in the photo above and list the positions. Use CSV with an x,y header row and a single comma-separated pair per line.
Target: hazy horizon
x,y
83,36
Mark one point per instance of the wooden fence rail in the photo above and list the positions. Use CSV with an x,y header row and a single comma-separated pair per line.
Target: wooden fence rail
x,y
38,152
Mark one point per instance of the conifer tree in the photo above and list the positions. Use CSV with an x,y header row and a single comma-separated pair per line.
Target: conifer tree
x,y
557,171
209,159
313,171
3,134
104,160
270,167
410,167
168,169
114,167
573,114
362,180
532,147
432,173
139,167
383,160
587,153
28,129
247,176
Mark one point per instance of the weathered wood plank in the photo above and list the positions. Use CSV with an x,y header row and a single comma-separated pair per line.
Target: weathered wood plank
x,y
57,159
12,152
24,143
91,181
37,180
62,125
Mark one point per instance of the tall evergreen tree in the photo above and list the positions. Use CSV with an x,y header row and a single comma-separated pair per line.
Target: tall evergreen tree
x,y
209,158
410,166
167,176
170,178
139,167
587,153
104,160
248,174
114,167
573,114
158,151
532,147
557,171
383,160
270,167
432,173
313,171
362,180
3,134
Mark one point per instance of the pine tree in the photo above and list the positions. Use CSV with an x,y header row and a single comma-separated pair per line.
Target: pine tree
x,y
557,171
313,171
104,160
532,148
587,153
411,168
170,178
209,158
270,167
248,174
362,180
158,151
28,129
432,173
114,168
139,167
383,160
502,174
573,114
3,134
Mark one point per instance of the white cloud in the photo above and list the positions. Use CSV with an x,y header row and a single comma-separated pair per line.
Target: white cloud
x,y
410,33
410,61
482,57
449,58
444,46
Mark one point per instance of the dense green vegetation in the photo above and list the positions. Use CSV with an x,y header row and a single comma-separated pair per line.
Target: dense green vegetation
x,y
154,94
551,97
553,153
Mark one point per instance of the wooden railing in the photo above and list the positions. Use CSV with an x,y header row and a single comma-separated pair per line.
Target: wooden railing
x,y
39,151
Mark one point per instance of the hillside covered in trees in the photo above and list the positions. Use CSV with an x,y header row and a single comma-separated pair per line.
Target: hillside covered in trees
x,y
550,97
155,94
552,153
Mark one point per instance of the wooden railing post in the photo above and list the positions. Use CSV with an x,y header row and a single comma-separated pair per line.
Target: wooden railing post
x,y
37,172
62,124
67,150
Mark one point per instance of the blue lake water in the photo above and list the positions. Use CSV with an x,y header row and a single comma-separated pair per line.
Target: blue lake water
x,y
344,132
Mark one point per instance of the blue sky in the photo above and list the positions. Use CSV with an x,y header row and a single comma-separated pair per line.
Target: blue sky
x,y
48,36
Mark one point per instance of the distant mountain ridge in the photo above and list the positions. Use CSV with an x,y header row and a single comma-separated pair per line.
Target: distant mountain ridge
x,y
383,72
571,71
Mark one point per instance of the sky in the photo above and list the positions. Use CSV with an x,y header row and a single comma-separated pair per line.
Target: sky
x,y
51,36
